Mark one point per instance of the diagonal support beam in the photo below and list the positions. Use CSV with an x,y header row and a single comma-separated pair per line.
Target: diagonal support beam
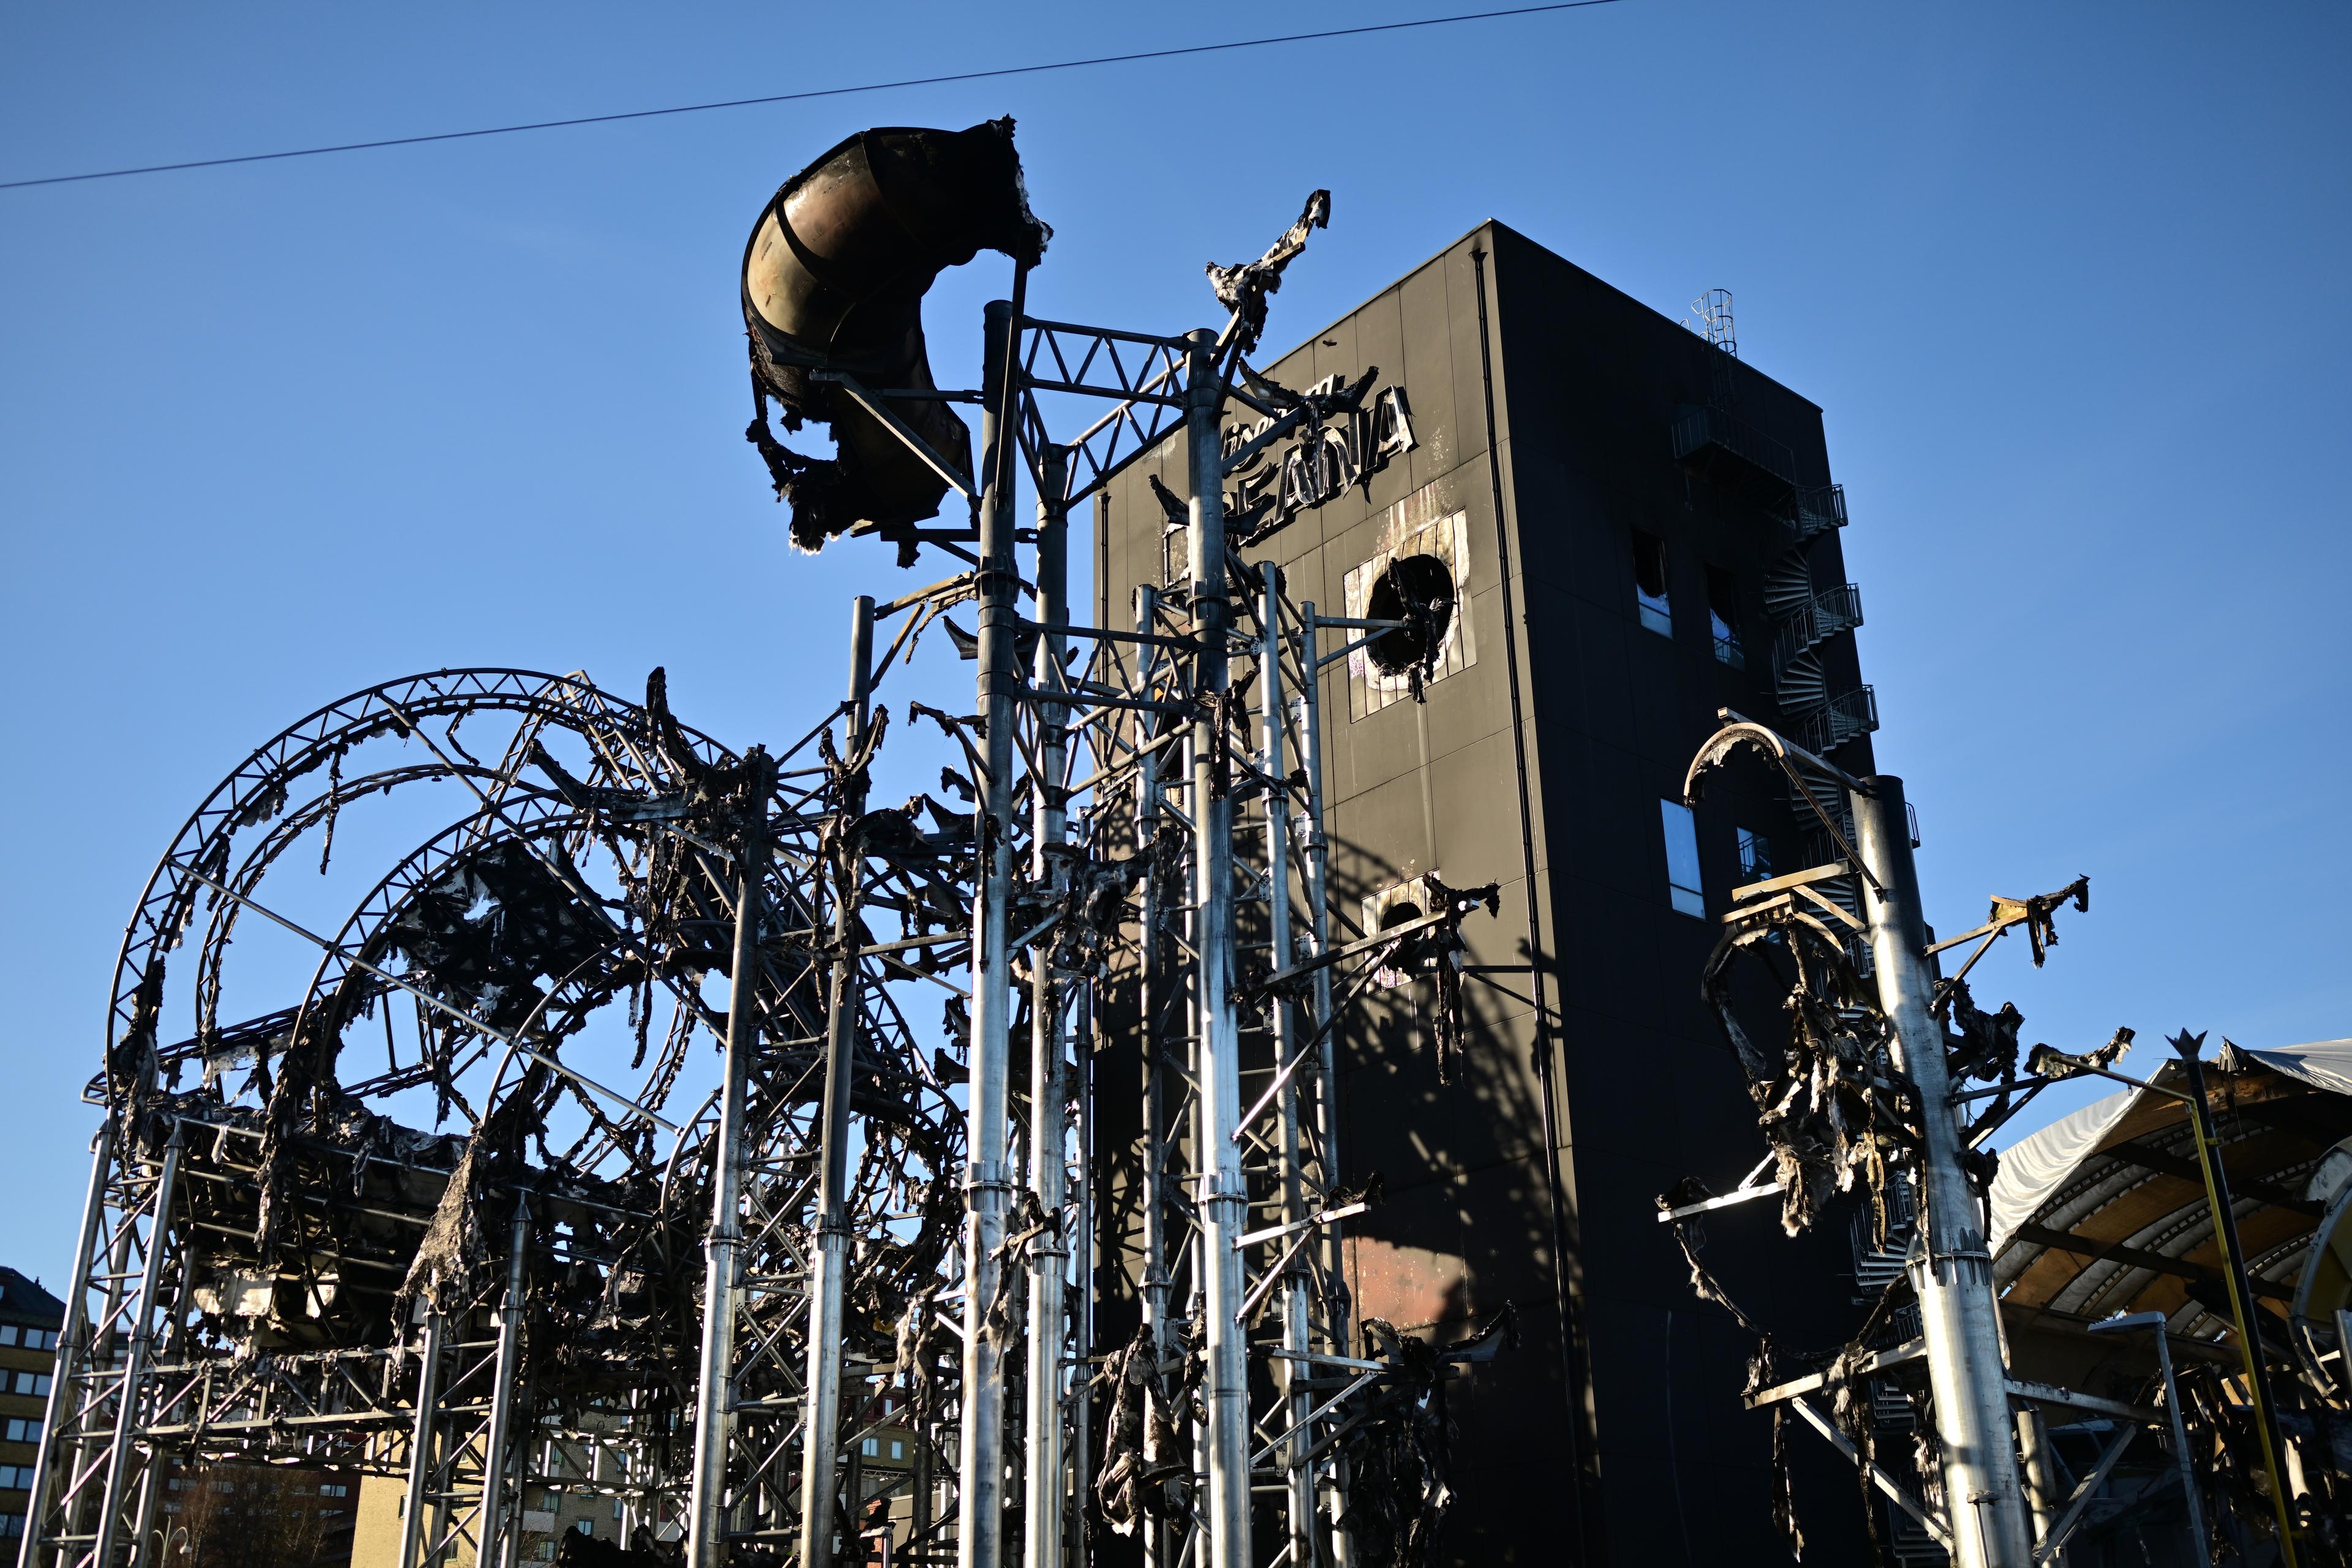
x,y
1884,1481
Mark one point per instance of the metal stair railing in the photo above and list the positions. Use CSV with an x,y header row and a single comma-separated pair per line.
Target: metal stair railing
x,y
1848,714
1826,613
1817,511
1761,465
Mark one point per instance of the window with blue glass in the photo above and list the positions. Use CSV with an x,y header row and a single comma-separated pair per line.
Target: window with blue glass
x,y
1683,887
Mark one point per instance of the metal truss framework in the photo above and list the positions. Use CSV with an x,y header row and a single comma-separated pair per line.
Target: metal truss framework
x,y
704,1307
1889,1082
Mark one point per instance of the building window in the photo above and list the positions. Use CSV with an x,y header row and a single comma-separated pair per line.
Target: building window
x,y
1755,857
12,1526
335,1488
35,1383
872,1448
897,1448
1681,858
1649,584
8,1334
23,1430
1723,618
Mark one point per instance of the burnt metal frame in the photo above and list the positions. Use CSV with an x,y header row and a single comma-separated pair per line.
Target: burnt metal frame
x,y
1181,674
134,1383
1173,738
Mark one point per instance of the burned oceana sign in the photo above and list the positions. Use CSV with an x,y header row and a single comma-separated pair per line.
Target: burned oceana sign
x,y
1356,440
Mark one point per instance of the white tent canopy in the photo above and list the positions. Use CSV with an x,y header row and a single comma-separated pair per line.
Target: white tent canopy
x,y
2034,1167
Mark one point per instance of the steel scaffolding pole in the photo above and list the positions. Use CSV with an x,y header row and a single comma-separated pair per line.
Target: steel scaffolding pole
x,y
420,1443
1150,982
143,1521
721,1284
980,1504
1186,1547
73,1352
89,1489
1086,1030
496,1543
1223,1198
1297,1334
1952,1272
134,1365
1049,1250
821,1426
1317,871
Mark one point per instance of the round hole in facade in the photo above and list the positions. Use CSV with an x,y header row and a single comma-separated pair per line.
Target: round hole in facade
x,y
1418,590
1402,912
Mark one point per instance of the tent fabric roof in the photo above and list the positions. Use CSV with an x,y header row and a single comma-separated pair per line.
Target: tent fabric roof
x,y
2104,1210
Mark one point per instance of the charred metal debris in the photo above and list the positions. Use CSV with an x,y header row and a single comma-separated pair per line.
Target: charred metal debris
x,y
684,1126
1883,1083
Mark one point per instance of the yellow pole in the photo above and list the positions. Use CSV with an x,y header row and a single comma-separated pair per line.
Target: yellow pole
x,y
2241,1306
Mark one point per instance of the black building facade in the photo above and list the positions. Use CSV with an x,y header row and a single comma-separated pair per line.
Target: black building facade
x,y
1635,530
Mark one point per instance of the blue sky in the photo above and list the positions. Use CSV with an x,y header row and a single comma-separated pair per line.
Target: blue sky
x,y
2068,283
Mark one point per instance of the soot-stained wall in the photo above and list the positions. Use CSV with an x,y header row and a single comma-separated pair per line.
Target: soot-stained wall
x,y
1613,1432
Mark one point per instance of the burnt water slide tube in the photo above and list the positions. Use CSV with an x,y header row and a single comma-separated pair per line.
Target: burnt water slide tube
x,y
834,280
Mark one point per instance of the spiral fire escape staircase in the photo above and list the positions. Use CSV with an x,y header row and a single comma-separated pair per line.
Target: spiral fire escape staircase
x,y
1711,441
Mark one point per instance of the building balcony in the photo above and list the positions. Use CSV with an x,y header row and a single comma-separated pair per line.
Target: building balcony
x,y
1728,451
1846,715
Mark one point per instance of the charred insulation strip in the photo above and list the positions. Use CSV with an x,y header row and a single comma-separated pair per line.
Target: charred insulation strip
x,y
1244,288
1828,1101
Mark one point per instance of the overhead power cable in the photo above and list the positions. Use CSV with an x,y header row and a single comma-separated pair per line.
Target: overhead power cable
x,y
802,97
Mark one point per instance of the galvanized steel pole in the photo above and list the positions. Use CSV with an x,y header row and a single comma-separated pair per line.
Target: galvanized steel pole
x,y
1088,1035
134,1365
73,1349
1297,1334
2045,1496
81,1502
2157,1323
988,1187
1327,1096
412,1508
1224,1199
821,1406
1049,1250
497,1542
1151,984
1953,1274
722,1275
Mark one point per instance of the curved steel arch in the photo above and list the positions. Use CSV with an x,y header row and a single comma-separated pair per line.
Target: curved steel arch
x,y
621,734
